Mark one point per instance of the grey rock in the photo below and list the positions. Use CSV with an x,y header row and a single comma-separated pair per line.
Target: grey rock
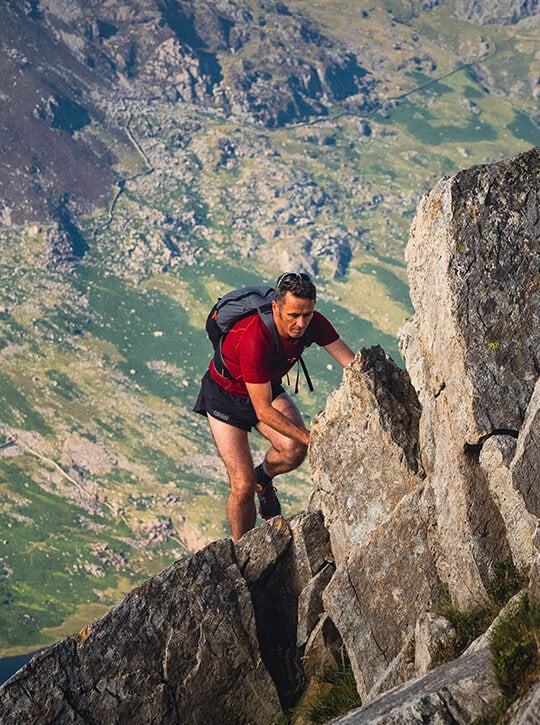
x,y
377,594
458,692
431,634
473,298
375,403
151,657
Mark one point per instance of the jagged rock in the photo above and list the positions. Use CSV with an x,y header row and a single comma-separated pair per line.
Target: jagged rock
x,y
417,488
151,658
377,594
459,691
226,612
449,694
375,402
467,428
376,514
474,297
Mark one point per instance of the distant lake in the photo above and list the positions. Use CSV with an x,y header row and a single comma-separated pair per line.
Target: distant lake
x,y
10,665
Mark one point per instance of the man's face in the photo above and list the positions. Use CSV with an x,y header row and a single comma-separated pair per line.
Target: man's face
x,y
293,315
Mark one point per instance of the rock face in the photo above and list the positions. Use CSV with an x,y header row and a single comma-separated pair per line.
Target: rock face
x,y
426,479
185,646
174,50
501,12
472,349
417,503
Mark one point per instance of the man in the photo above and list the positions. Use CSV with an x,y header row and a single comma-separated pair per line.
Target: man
x,y
253,397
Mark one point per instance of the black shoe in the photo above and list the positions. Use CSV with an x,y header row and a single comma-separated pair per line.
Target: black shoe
x,y
269,505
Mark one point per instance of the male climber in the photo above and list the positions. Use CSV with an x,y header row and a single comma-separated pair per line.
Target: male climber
x,y
252,396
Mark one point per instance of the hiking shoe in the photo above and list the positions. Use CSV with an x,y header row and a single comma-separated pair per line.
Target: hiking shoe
x,y
269,505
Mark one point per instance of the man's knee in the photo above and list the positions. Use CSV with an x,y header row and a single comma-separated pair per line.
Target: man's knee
x,y
242,489
296,453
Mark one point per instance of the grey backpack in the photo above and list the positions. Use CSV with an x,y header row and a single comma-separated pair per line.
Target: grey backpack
x,y
236,305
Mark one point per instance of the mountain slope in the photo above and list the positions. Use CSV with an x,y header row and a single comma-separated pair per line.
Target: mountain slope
x,y
162,153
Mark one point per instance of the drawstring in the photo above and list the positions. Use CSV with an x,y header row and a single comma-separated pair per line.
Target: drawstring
x,y
306,374
300,362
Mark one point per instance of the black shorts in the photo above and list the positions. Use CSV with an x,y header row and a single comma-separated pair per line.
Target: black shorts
x,y
225,406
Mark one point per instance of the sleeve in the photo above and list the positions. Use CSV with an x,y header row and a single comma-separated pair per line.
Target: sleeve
x,y
321,330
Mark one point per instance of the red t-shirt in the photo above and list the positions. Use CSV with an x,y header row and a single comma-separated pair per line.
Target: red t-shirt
x,y
248,352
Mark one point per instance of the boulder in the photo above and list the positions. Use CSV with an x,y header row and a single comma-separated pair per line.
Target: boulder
x,y
449,694
167,653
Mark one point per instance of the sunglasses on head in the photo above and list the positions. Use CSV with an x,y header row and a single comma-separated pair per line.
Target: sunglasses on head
x,y
290,276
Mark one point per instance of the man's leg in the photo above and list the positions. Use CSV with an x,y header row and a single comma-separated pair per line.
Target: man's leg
x,y
285,453
233,447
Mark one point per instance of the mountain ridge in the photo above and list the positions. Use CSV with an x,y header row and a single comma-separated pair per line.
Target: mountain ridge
x,y
403,517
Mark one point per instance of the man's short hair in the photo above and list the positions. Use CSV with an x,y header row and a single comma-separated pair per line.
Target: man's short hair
x,y
298,284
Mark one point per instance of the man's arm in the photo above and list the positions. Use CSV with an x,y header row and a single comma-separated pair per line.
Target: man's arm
x,y
340,351
261,398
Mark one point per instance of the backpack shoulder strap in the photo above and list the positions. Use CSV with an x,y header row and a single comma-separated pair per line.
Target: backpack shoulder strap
x,y
265,313
267,317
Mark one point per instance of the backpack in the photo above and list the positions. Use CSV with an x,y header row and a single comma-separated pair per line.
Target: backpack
x,y
236,305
